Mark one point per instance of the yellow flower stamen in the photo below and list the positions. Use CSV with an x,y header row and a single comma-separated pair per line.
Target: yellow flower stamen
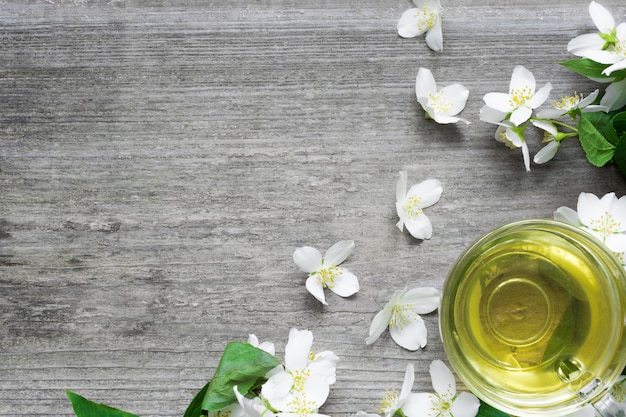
x,y
620,48
328,275
567,102
441,407
401,315
425,19
389,401
439,102
299,379
505,139
519,96
606,224
548,137
301,406
412,206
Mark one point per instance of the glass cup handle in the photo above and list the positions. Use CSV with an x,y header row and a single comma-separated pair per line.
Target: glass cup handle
x,y
608,406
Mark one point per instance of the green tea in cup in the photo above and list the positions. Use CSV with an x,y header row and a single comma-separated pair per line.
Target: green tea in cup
x,y
532,319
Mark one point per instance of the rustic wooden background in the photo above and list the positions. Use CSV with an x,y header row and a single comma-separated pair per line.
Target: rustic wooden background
x,y
161,160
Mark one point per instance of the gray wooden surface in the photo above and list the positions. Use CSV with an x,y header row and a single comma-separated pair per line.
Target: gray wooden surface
x,y
160,161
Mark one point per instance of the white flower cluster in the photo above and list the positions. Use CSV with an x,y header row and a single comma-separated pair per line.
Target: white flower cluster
x,y
297,388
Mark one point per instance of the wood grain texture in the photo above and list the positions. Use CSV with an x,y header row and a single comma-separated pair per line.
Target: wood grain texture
x,y
161,160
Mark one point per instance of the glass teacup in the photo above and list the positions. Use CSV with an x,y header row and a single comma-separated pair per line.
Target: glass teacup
x,y
532,319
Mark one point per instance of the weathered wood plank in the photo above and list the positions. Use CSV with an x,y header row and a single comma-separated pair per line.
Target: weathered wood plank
x,y
160,161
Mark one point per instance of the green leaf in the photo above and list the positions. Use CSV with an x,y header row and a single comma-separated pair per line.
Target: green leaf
x,y
620,155
619,123
85,408
597,148
486,410
195,407
241,365
603,122
587,68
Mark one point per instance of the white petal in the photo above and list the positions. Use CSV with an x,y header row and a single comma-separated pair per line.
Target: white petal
x,y
545,125
308,259
601,56
520,115
408,26
500,102
379,325
615,67
521,79
616,242
442,378
412,335
419,227
589,99
429,191
465,405
325,365
444,120
338,252
346,284
567,215
589,208
425,83
491,115
315,287
615,95
601,17
514,137
297,349
540,96
407,383
424,299
401,215
550,113
618,210
589,41
546,153
457,94
526,155
420,405
316,390
276,388
434,36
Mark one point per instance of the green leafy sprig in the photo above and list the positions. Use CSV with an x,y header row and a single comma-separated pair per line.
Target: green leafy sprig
x,y
601,135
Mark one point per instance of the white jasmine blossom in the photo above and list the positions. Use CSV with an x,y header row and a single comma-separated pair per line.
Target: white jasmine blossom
x,y
603,217
425,18
608,46
402,315
551,138
569,104
513,138
441,105
304,383
521,99
410,205
605,23
445,402
392,402
324,272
